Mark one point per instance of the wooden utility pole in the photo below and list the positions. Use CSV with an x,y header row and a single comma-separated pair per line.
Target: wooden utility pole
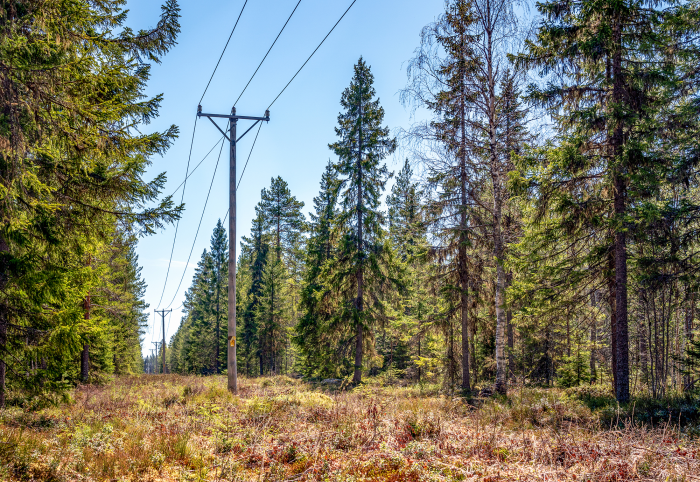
x,y
232,367
162,315
155,357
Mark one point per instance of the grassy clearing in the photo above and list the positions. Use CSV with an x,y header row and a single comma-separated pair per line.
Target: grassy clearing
x,y
158,428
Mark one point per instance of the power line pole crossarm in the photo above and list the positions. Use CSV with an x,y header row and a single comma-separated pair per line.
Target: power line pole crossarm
x,y
233,118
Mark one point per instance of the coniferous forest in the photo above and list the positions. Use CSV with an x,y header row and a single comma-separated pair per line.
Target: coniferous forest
x,y
500,253
520,258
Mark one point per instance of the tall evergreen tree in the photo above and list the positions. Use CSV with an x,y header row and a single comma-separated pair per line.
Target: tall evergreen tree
x,y
407,231
625,70
198,345
447,50
219,259
72,159
364,261
255,253
271,314
281,214
317,350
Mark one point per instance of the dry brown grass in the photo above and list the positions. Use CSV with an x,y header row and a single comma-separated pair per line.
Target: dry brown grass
x,y
158,428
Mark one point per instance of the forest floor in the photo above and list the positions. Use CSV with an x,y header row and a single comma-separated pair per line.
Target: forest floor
x,y
162,428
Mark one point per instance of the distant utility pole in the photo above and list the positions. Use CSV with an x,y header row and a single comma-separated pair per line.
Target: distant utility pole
x,y
151,362
155,357
232,367
162,315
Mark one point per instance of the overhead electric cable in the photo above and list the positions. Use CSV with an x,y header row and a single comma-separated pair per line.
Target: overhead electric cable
x,y
246,165
167,326
312,53
222,52
199,164
198,226
153,333
268,52
177,224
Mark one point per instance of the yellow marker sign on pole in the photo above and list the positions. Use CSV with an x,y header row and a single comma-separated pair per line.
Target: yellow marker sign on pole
x,y
232,340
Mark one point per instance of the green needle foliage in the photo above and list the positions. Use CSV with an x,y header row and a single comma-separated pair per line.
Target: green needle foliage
x,y
621,90
72,165
363,268
318,355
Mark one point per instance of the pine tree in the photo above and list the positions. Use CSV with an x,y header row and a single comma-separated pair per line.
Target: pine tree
x,y
364,261
281,214
284,223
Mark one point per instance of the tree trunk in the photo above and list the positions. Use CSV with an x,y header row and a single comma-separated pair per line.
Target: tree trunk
x,y
357,376
501,384
688,328
85,355
619,192
613,323
498,244
85,363
462,267
466,385
3,348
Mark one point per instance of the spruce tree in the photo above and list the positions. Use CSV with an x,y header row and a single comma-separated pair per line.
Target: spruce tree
x,y
270,315
219,258
72,159
447,50
255,251
623,112
405,216
408,234
317,350
364,261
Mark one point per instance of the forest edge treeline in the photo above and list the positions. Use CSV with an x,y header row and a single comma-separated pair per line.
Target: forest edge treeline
x,y
540,231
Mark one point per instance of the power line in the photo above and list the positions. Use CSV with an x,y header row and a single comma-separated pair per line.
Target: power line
x,y
199,164
312,53
249,154
167,327
222,52
177,224
198,226
268,51
246,165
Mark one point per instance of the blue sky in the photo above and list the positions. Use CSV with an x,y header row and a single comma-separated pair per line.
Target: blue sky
x,y
294,145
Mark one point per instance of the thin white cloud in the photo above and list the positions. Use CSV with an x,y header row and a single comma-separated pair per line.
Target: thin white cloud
x,y
163,263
